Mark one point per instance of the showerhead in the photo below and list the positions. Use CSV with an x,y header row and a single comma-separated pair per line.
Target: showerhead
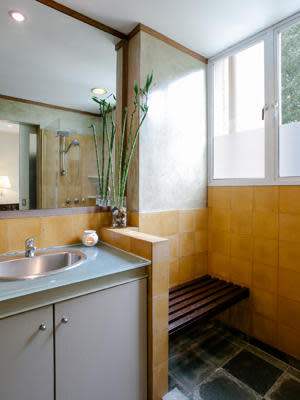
x,y
74,142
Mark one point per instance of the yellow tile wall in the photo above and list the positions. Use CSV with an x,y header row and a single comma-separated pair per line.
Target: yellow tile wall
x,y
186,231
50,231
254,240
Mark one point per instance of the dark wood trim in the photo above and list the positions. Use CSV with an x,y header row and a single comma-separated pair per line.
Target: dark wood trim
x,y
37,103
83,18
166,39
49,212
120,44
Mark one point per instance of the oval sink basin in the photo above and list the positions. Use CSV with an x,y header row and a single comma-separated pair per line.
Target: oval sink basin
x,y
42,264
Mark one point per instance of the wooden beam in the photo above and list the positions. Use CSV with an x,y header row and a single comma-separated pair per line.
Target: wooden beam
x,y
166,39
37,103
83,18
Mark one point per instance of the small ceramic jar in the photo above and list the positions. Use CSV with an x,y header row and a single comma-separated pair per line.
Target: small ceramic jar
x,y
90,238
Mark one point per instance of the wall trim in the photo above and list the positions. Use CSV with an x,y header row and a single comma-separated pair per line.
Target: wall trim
x,y
37,103
83,18
166,39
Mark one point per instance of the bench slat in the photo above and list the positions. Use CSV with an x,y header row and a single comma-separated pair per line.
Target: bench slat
x,y
210,310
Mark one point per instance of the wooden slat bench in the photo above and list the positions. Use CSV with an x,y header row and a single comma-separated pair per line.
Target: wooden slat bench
x,y
201,299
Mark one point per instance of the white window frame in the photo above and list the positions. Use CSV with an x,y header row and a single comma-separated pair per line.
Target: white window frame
x,y
270,36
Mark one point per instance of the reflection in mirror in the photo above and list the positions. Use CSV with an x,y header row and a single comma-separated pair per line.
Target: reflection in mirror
x,y
48,67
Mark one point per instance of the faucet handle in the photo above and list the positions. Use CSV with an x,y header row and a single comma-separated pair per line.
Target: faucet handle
x,y
30,241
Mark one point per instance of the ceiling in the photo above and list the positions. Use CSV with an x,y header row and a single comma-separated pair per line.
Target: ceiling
x,y
205,26
53,58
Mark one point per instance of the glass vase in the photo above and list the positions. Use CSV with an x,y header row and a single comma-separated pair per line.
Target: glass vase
x,y
119,213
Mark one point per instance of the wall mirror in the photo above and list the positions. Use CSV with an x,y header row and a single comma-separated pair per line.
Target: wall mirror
x,y
49,64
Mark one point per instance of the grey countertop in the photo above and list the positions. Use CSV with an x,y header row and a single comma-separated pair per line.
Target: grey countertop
x,y
102,261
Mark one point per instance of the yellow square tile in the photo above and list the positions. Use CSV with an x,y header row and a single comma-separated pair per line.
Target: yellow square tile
x,y
200,267
141,248
265,225
105,218
240,271
289,199
264,329
200,241
210,196
266,198
289,255
219,242
186,221
187,244
241,247
264,303
288,313
266,251
160,277
58,231
241,222
160,381
82,222
186,268
221,196
219,265
264,277
242,198
169,223
133,219
20,229
3,236
160,309
219,219
201,219
289,227
160,348
289,284
174,246
150,223
161,251
289,340
241,317
174,273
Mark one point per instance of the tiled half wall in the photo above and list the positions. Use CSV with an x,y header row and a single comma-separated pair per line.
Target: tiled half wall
x,y
254,240
187,234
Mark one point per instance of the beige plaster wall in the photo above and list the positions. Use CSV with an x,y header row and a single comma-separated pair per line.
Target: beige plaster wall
x,y
172,147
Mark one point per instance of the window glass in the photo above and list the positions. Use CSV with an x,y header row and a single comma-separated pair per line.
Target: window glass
x,y
239,98
289,103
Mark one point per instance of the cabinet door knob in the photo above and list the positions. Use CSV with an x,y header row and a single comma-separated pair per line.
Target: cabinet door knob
x,y
65,320
42,327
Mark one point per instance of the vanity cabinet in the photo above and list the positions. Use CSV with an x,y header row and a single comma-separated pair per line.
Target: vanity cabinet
x,y
99,345
26,356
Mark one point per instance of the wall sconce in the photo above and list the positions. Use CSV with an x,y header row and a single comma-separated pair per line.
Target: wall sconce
x,y
4,184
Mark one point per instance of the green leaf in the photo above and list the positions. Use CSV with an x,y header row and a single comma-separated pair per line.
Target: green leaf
x,y
135,87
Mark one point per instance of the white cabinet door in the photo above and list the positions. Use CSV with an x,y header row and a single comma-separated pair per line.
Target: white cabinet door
x,y
101,349
26,356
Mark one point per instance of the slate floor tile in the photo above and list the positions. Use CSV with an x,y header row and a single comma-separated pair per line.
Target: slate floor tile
x,y
217,349
288,389
255,372
189,369
171,383
175,394
178,343
219,386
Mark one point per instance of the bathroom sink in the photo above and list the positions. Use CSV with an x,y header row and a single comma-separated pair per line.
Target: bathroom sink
x,y
42,264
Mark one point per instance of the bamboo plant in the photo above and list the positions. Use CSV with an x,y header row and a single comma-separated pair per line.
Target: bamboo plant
x,y
107,137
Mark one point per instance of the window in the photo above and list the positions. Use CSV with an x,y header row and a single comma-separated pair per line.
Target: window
x,y
238,124
289,101
254,90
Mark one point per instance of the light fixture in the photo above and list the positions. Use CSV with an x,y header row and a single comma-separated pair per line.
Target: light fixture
x,y
17,16
99,91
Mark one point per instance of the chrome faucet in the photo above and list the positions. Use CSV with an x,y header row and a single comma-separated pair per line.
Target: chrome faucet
x,y
30,247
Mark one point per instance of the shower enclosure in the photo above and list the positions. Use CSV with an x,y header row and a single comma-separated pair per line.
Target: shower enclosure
x,y
68,161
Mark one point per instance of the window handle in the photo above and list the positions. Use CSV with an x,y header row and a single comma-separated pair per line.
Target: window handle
x,y
265,108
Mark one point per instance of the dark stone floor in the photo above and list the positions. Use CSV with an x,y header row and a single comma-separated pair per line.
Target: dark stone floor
x,y
214,362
